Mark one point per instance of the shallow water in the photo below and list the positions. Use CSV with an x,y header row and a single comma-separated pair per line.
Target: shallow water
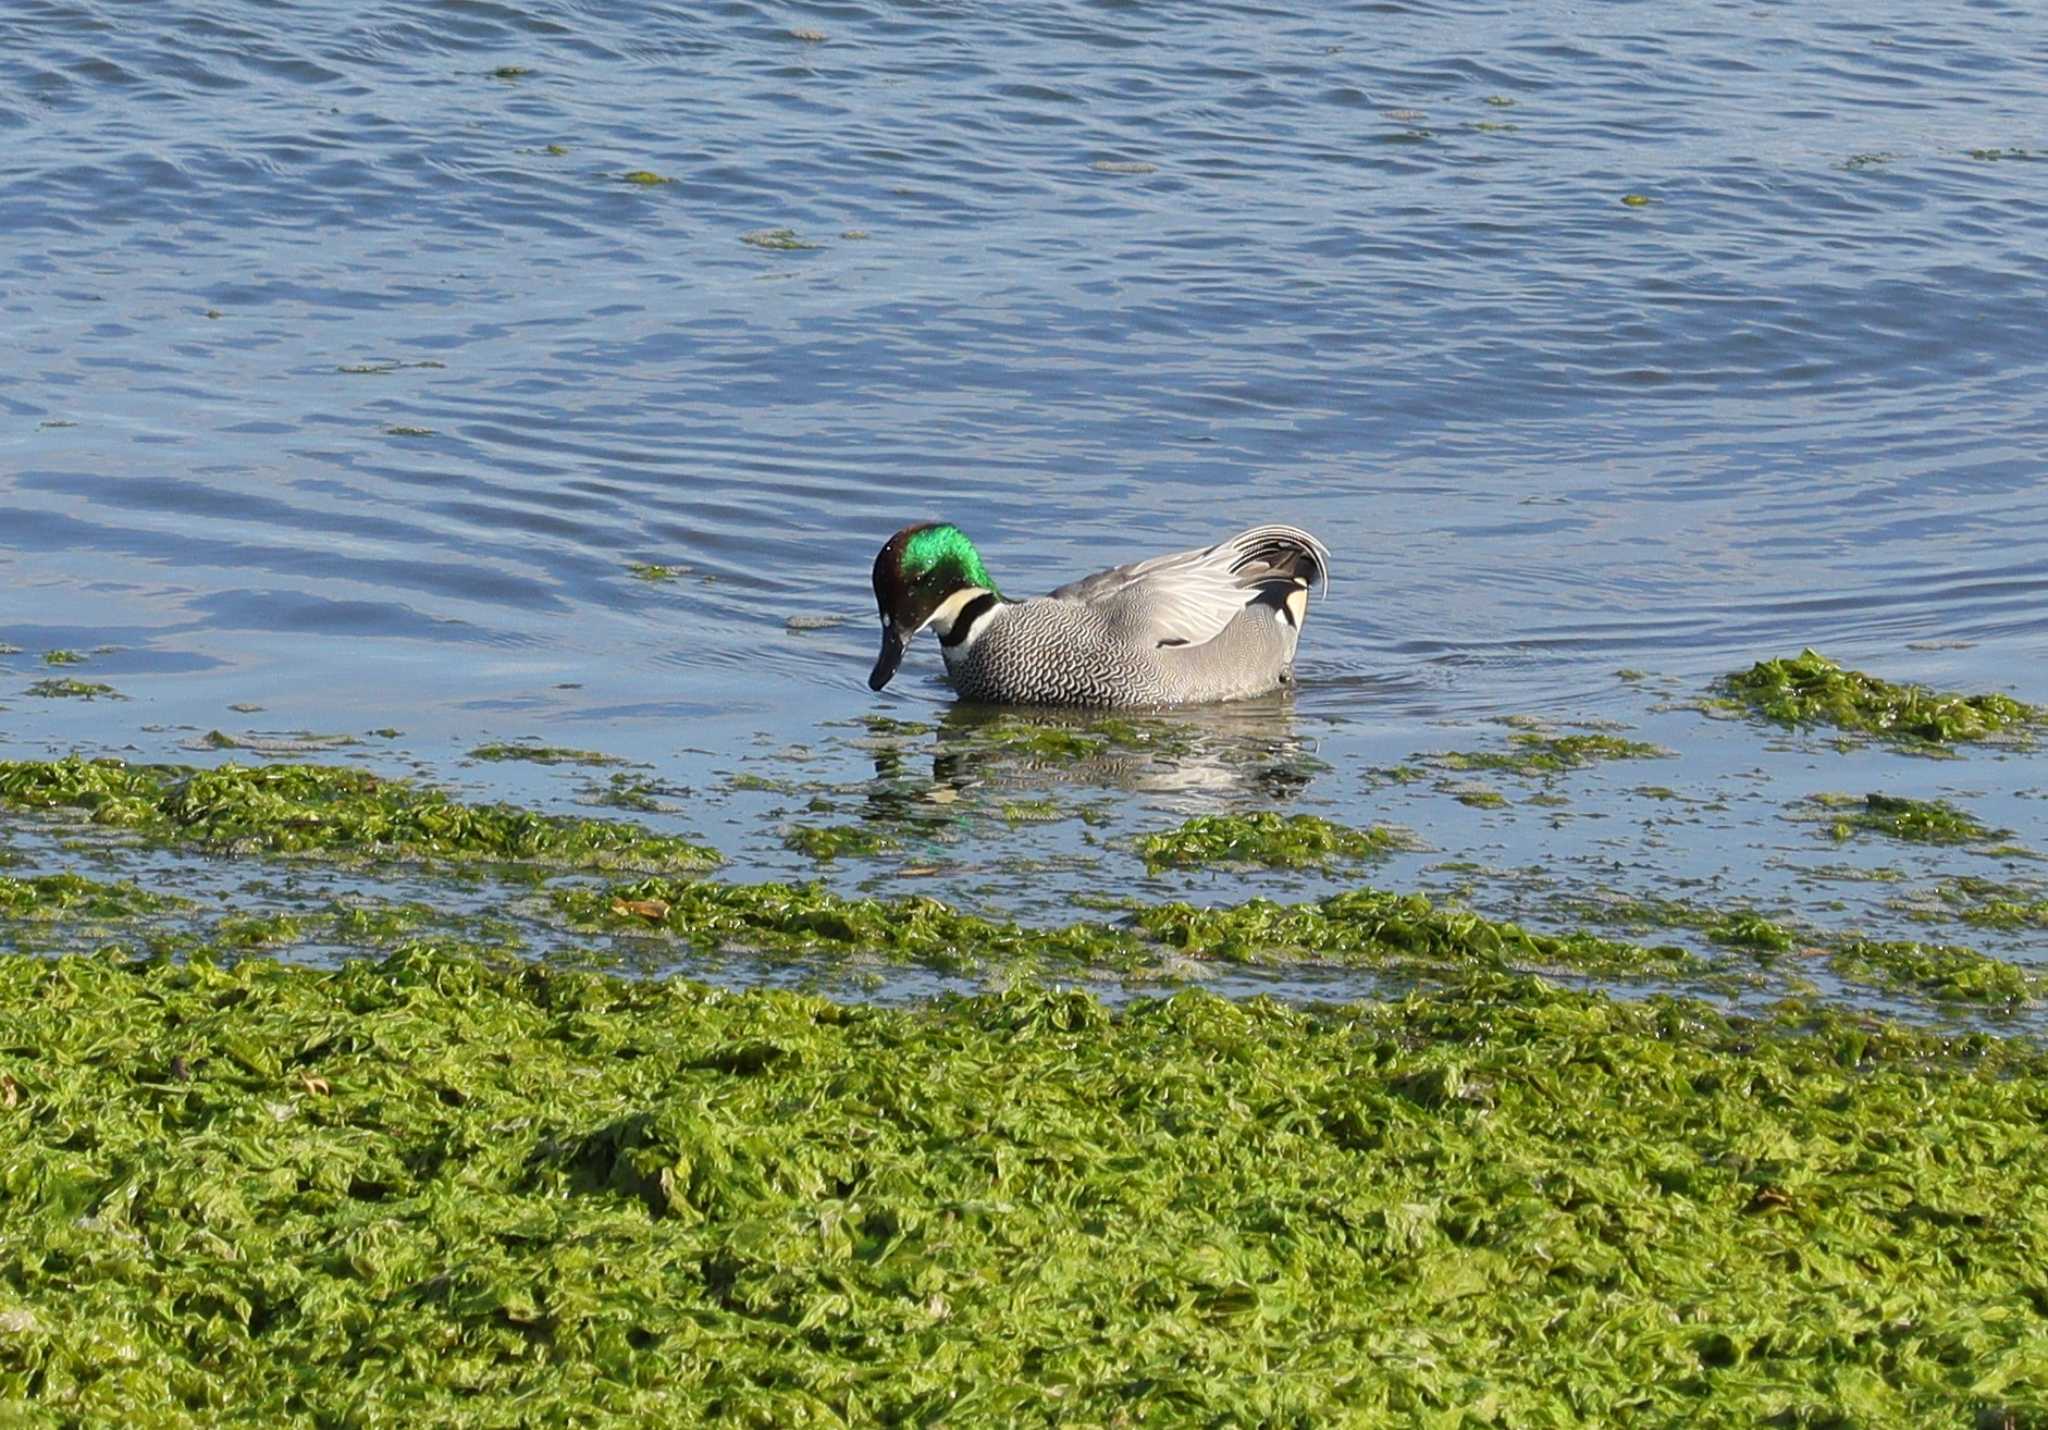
x,y
350,377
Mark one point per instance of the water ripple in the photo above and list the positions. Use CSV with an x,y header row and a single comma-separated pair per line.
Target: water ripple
x,y
1578,334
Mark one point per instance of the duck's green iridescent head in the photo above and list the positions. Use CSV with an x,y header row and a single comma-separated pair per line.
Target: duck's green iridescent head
x,y
915,573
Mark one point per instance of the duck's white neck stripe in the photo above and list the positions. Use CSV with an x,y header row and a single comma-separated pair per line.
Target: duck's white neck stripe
x,y
949,611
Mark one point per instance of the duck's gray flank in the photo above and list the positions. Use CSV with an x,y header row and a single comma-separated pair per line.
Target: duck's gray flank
x,y
1217,623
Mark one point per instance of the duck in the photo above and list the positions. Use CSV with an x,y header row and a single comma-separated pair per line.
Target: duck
x,y
1216,623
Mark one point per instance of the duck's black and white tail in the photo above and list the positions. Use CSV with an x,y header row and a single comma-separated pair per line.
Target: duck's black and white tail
x,y
1279,553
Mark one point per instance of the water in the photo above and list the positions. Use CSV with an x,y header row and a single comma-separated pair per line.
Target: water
x,y
349,377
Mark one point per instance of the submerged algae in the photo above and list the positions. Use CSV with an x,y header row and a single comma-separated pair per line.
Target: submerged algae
x,y
1810,689
1951,973
452,1191
1279,841
1539,754
329,810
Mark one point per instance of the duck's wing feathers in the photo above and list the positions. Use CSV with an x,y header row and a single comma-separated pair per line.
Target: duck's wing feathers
x,y
1188,597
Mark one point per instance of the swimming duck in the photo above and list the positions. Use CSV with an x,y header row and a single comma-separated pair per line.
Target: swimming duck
x,y
1219,623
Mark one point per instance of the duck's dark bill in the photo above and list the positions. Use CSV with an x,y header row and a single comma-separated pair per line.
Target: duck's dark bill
x,y
889,659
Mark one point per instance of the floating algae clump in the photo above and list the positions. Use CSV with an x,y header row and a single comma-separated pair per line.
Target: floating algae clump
x,y
53,896
1280,841
1920,821
69,689
827,842
467,1194
542,755
1810,689
335,811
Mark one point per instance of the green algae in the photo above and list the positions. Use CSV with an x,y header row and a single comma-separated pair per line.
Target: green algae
x,y
1366,927
1731,928
1053,741
386,366
2008,914
62,657
1298,841
55,896
836,841
1986,903
1034,811
1540,754
1918,821
645,177
428,1188
543,755
1810,689
248,931
811,920
376,921
782,240
330,811
889,726
304,742
1945,973
1360,928
68,689
655,574
634,792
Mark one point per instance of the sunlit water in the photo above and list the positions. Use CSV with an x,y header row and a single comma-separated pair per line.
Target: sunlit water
x,y
349,376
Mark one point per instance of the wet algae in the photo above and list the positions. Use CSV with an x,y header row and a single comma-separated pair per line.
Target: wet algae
x,y
1279,841
1944,973
1918,821
1810,689
1534,753
1359,928
446,1183
328,810
428,1187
